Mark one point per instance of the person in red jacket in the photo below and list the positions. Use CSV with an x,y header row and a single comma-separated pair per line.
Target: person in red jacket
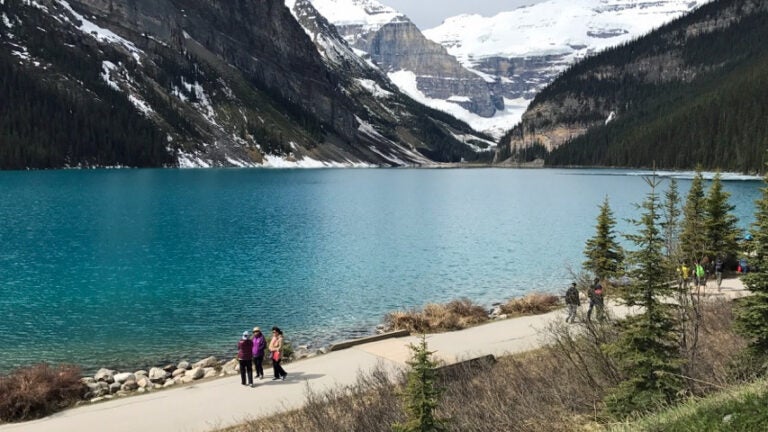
x,y
245,356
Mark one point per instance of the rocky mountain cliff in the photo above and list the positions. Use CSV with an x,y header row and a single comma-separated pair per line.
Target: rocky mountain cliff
x,y
527,48
419,66
691,92
198,83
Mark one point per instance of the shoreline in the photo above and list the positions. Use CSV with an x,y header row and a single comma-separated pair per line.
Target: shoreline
x,y
110,382
223,402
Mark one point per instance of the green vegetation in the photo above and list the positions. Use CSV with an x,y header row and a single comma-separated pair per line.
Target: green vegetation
x,y
740,408
693,238
670,223
647,350
605,257
422,394
720,224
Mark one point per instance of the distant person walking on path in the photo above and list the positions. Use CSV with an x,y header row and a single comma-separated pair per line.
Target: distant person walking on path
x,y
719,272
276,353
595,294
245,357
701,275
572,301
685,274
259,347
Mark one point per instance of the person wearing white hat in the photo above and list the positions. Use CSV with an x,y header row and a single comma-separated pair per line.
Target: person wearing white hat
x,y
245,356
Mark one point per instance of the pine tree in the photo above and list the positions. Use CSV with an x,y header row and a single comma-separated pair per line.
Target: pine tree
x,y
693,239
719,222
605,258
647,350
671,220
752,311
422,394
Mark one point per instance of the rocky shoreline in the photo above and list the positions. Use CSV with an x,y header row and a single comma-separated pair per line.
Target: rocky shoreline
x,y
108,384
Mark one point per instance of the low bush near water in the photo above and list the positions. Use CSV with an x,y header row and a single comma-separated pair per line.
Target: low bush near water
x,y
455,315
39,390
532,304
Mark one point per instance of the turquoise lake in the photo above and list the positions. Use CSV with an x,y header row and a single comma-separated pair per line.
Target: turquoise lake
x,y
132,268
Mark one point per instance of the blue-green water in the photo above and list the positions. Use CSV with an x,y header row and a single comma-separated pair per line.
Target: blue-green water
x,y
138,267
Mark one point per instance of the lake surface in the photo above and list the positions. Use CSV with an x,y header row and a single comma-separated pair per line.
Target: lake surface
x,y
132,268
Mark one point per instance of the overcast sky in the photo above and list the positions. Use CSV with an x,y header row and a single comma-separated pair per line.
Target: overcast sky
x,y
430,13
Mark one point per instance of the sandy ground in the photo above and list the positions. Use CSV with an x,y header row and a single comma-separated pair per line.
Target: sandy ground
x,y
216,403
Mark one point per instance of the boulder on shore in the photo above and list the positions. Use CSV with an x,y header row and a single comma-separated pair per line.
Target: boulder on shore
x,y
183,365
106,375
130,385
178,372
206,362
123,377
157,374
196,373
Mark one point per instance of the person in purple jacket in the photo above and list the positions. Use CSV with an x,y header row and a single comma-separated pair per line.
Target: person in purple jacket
x,y
259,346
245,356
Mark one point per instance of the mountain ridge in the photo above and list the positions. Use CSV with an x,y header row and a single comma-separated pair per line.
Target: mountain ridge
x,y
223,84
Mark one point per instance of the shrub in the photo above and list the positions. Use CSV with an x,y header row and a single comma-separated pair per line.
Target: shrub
x,y
532,304
455,315
39,390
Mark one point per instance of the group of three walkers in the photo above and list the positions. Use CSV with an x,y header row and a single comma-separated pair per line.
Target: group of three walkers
x,y
251,350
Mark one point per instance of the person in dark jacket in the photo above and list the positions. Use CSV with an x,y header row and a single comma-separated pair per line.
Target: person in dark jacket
x,y
596,301
259,347
572,301
245,356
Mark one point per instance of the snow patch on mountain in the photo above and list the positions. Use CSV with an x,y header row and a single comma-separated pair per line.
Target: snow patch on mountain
x,y
370,15
495,126
101,34
107,67
555,27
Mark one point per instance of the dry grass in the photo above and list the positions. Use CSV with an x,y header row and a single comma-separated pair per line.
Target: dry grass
x,y
455,315
532,304
39,390
557,388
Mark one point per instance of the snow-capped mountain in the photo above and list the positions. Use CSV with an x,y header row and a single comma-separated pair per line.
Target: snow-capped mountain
x,y
513,54
421,68
528,47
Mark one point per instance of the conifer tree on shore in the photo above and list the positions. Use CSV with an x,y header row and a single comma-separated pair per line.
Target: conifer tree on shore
x,y
719,222
671,220
647,351
605,257
693,240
